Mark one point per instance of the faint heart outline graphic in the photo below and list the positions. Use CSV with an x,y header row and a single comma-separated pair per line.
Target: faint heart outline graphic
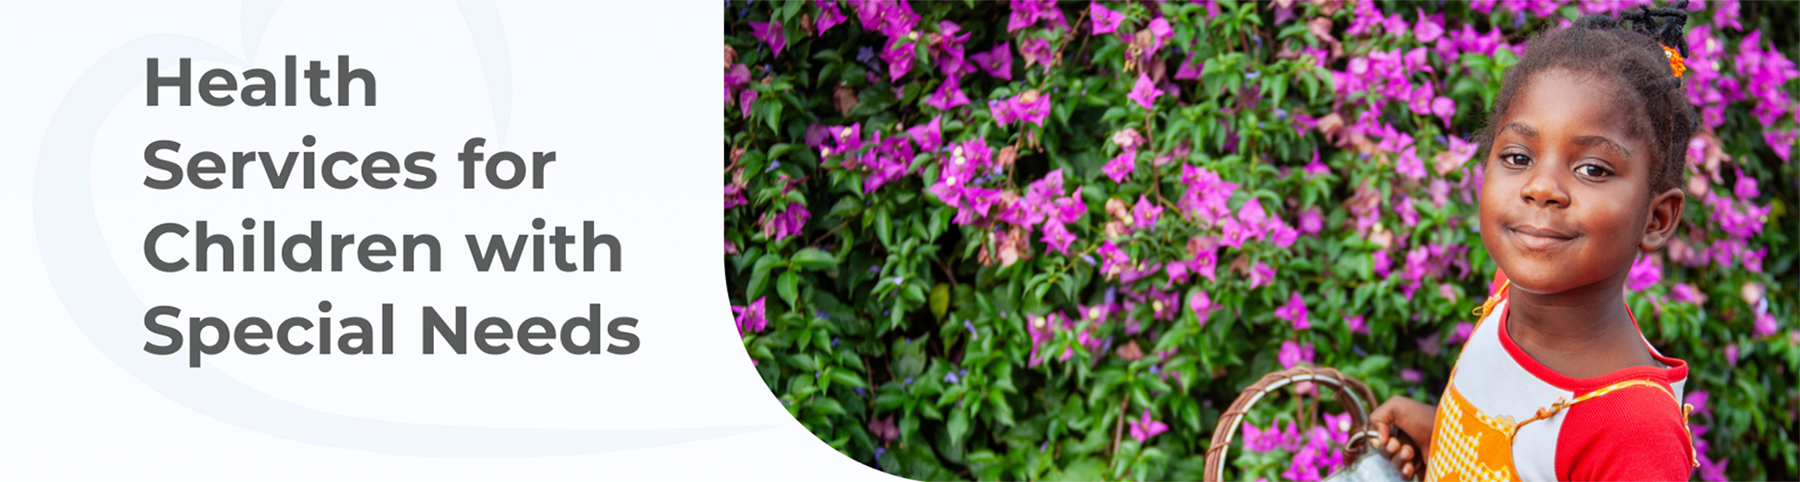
x,y
102,303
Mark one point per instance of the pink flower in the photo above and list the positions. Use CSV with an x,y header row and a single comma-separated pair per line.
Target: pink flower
x,y
829,15
1120,167
899,56
1057,236
748,97
1294,311
1731,354
1035,50
1144,214
1645,272
752,318
1144,428
1356,324
1105,20
1202,306
1381,263
1293,354
1410,165
1685,293
1311,222
1429,28
1765,324
1463,330
1113,260
1316,168
1159,29
770,33
996,62
1261,274
948,95
1281,234
1145,92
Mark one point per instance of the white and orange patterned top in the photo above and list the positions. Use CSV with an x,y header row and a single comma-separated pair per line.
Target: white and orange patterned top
x,y
1506,417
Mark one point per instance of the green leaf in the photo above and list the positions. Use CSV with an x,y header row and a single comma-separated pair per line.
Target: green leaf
x,y
846,377
814,259
940,300
958,426
788,286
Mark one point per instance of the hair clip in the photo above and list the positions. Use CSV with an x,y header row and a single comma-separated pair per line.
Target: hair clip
x,y
1676,63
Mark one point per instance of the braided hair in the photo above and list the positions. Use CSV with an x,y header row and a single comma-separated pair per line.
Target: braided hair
x,y
1629,50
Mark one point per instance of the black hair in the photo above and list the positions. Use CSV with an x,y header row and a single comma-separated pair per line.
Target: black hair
x,y
1629,50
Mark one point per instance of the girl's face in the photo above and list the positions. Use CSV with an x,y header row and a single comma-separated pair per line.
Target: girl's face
x,y
1564,201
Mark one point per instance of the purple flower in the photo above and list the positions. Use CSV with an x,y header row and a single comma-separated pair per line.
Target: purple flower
x,y
899,56
1311,222
848,138
1765,324
1105,20
1731,354
770,33
1294,311
1057,236
1294,354
1356,324
1781,141
748,97
1145,92
1113,260
1713,472
1261,274
1315,167
1120,167
1410,165
884,429
1254,217
1190,69
996,62
734,196
1408,215
1144,428
1685,293
948,95
1202,306
1429,28
752,318
1339,427
786,223
1463,330
829,15
1027,12
1645,272
1411,375
1144,213
1381,263
947,51
930,136
1035,50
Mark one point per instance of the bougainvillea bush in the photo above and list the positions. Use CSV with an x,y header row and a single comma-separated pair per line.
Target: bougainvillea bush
x,y
1040,240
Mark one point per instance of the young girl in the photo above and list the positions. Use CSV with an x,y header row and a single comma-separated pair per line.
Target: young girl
x,y
1584,154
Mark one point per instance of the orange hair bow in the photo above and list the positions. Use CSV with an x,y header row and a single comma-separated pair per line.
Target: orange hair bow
x,y
1676,63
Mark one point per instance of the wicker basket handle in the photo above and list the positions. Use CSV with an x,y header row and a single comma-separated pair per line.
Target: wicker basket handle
x,y
1348,391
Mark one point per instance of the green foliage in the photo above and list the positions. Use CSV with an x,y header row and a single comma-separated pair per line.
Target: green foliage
x,y
903,336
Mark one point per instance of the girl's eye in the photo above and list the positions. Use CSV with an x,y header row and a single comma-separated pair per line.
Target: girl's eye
x,y
1515,160
1592,171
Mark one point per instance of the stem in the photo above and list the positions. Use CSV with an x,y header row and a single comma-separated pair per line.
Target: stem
x,y
1118,429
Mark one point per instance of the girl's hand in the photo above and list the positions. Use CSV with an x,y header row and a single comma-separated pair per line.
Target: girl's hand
x,y
1405,426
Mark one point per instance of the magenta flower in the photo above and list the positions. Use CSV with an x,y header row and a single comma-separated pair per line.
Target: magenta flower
x,y
1410,165
1356,324
1145,92
1253,217
1190,69
1105,20
848,138
1176,272
1144,428
1411,375
947,51
1782,141
1381,263
1731,354
1057,236
737,78
899,55
829,15
1765,324
1315,167
1113,260
1713,472
1645,272
1261,274
770,33
930,136
1294,311
1144,213
1463,330
1281,234
1429,28
1408,215
1698,399
1685,293
1120,167
1294,354
752,318
786,223
1311,222
996,62
1202,306
1034,110
1231,233
1035,51
1028,12
734,196
884,429
948,95
748,97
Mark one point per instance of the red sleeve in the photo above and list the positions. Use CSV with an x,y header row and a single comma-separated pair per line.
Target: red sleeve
x,y
1636,433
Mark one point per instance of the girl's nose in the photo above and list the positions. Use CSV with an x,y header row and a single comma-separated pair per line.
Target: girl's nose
x,y
1544,187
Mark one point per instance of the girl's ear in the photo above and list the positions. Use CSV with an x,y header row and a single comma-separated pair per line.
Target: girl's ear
x,y
1665,218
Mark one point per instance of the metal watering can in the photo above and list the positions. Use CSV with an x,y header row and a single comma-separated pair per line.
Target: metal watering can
x,y
1369,463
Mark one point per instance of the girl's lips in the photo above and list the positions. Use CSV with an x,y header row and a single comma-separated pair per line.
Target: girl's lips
x,y
1539,239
